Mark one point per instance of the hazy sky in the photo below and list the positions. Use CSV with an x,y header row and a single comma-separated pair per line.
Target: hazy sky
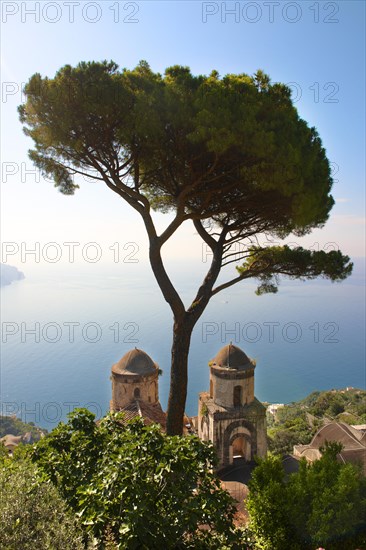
x,y
318,48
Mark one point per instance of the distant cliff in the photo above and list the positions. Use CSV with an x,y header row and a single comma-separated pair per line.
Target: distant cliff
x,y
8,274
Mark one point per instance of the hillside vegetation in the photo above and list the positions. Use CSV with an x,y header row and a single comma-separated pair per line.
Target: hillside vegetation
x,y
15,426
118,485
297,422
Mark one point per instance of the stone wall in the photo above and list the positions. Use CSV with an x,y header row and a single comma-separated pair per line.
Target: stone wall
x,y
127,388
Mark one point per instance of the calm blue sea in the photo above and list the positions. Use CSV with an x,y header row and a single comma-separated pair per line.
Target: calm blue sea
x,y
63,329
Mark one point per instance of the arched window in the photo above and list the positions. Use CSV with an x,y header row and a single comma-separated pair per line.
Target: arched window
x,y
136,393
237,396
211,388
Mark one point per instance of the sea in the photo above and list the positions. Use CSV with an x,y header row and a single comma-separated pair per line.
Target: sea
x,y
63,328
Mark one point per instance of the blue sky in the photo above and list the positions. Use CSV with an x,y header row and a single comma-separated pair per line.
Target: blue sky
x,y
318,48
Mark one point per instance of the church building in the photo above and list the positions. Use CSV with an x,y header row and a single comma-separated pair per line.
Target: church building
x,y
135,389
229,414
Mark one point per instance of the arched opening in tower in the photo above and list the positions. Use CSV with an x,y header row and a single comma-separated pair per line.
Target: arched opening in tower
x,y
241,448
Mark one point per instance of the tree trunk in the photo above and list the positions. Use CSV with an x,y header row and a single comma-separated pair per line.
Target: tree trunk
x,y
184,321
182,332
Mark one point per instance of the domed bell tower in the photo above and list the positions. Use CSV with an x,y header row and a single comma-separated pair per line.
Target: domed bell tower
x,y
134,377
229,414
232,378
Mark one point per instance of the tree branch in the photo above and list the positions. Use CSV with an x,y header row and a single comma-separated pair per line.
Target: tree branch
x,y
229,283
172,227
209,240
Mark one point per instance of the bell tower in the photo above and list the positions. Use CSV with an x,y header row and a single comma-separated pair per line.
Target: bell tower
x,y
134,377
229,414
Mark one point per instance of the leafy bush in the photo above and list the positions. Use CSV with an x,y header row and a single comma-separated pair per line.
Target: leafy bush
x,y
32,513
146,489
324,504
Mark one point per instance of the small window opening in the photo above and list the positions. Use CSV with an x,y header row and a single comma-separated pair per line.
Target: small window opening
x,y
237,396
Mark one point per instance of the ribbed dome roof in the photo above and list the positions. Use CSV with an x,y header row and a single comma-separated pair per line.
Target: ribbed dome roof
x,y
232,357
135,362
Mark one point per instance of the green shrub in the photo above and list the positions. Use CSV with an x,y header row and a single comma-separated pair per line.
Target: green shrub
x,y
146,489
32,513
324,504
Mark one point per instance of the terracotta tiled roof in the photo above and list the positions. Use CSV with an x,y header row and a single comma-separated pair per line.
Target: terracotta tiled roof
x,y
130,412
353,441
151,414
340,432
11,439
